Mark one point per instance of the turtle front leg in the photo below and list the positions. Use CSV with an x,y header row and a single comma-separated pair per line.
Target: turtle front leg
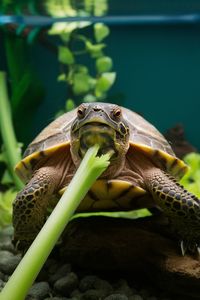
x,y
30,206
181,207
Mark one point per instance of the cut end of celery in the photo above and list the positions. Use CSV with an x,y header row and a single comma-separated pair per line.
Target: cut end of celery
x,y
103,160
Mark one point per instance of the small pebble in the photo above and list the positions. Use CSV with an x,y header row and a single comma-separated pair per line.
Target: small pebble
x,y
122,287
39,290
8,261
6,232
2,276
136,297
57,298
2,283
100,284
116,297
87,282
67,284
76,294
93,295
7,246
144,293
61,272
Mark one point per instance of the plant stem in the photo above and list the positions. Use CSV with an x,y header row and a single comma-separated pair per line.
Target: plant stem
x,y
7,131
26,272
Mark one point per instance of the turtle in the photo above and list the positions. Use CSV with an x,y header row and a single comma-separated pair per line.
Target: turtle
x,y
142,166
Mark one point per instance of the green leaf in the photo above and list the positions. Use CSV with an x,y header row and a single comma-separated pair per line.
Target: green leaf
x,y
66,28
62,77
82,69
133,214
101,31
81,83
104,64
89,98
7,178
191,181
104,83
94,50
65,56
69,105
6,200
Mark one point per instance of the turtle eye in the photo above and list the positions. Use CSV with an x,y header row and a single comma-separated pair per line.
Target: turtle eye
x,y
81,112
117,113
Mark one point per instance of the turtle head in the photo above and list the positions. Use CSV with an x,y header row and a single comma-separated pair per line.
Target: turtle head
x,y
102,124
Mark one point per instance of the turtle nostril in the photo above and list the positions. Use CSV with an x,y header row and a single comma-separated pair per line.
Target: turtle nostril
x,y
96,108
122,128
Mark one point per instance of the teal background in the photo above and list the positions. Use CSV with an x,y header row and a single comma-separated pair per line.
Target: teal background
x,y
158,72
158,75
158,69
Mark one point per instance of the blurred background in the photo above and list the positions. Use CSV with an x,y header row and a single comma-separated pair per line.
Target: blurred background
x,y
154,47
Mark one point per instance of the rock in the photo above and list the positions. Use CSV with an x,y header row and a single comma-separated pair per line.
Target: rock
x,y
6,232
177,139
96,283
5,239
8,261
61,272
116,297
8,246
122,287
103,285
2,283
2,276
87,282
39,290
67,284
57,298
93,295
76,294
144,293
136,297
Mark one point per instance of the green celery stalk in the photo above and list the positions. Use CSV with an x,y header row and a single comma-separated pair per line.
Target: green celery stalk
x,y
21,280
7,132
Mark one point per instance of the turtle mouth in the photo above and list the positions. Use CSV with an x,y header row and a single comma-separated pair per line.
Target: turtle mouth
x,y
97,133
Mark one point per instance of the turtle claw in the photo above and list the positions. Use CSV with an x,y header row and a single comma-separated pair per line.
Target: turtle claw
x,y
21,245
193,248
184,248
198,251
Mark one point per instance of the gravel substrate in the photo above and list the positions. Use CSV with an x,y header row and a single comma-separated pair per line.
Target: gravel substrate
x,y
58,281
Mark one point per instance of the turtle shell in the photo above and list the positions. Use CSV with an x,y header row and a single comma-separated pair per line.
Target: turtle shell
x,y
143,136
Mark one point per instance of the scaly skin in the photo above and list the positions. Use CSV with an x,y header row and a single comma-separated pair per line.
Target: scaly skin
x,y
181,207
30,206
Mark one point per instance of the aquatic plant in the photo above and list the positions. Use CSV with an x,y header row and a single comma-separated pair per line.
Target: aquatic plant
x,y
6,199
11,153
90,81
90,169
191,181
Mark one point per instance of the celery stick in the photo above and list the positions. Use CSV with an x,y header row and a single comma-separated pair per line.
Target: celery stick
x,y
28,269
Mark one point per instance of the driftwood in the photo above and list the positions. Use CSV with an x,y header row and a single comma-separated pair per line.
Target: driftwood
x,y
178,141
134,246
